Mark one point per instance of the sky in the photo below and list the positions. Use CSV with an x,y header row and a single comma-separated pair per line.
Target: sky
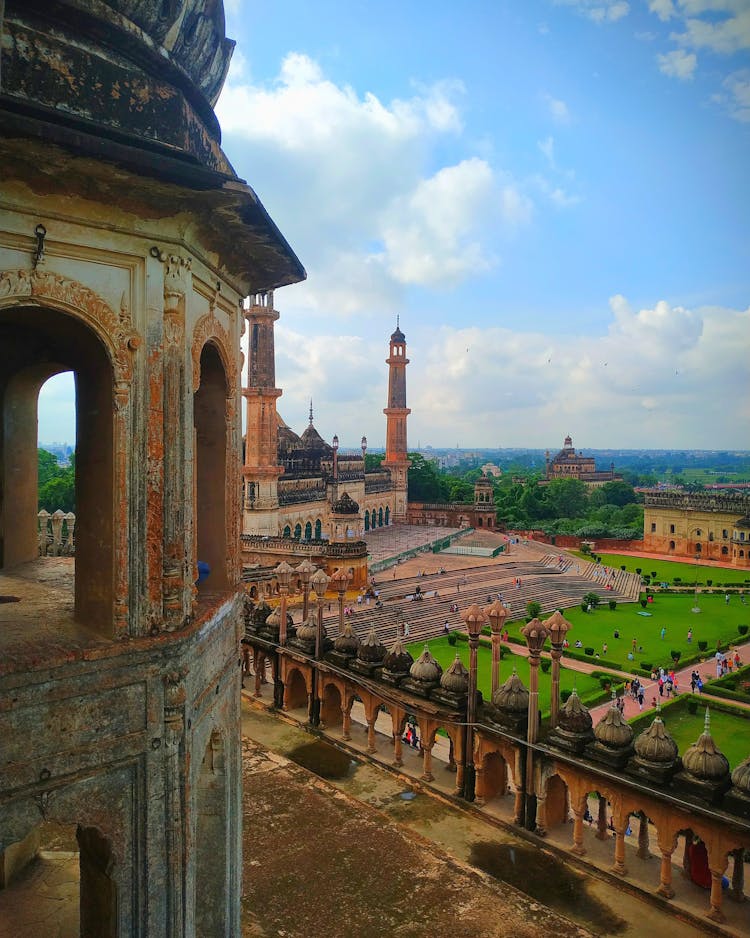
x,y
553,196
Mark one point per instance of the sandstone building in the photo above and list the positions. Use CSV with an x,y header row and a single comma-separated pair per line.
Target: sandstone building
x,y
705,525
569,464
127,245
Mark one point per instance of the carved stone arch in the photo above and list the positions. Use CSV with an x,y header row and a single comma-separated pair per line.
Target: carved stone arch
x,y
209,329
49,289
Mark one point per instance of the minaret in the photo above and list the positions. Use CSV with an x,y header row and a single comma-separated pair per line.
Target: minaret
x,y
261,470
395,438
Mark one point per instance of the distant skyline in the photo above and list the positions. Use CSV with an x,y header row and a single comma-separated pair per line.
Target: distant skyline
x,y
553,196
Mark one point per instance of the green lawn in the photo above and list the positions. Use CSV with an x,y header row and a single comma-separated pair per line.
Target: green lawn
x,y
667,570
730,732
716,621
445,654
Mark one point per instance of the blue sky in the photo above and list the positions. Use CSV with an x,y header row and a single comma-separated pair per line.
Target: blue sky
x,y
553,196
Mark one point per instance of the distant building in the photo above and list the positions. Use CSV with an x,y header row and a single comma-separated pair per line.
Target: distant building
x,y
571,465
490,469
482,514
714,526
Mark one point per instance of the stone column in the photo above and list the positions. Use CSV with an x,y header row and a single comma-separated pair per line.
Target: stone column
x,y
643,851
259,665
601,821
174,730
556,654
371,734
541,815
427,775
715,913
619,864
665,875
738,876
397,750
578,847
518,807
346,725
479,792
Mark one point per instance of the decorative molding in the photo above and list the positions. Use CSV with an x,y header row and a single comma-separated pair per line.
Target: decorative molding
x,y
208,328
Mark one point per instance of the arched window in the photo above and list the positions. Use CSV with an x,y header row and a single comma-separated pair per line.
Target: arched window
x,y
209,416
671,545
298,531
380,518
287,532
308,531
387,515
367,521
710,535
36,344
698,548
479,522
318,529
724,551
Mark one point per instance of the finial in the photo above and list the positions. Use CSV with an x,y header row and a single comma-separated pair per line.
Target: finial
x,y
311,413
707,723
614,697
397,320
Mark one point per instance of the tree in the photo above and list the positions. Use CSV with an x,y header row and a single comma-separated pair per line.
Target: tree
x,y
618,493
425,482
567,498
57,484
373,461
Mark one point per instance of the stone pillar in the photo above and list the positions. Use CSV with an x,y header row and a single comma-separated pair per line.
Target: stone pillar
x,y
371,734
346,725
619,864
57,523
578,847
665,875
427,775
259,665
643,851
479,783
715,914
174,725
556,654
518,807
44,517
601,821
738,876
397,750
541,815
460,774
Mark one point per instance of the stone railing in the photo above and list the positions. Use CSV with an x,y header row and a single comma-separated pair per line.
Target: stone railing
x,y
285,545
298,496
56,533
698,501
377,486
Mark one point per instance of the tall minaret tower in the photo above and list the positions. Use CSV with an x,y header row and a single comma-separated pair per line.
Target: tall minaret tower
x,y
261,470
395,438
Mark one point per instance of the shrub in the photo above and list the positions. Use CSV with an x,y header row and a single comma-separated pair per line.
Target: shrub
x,y
639,570
612,604
564,694
606,682
677,579
742,629
653,574
647,666
584,607
692,706
647,580
644,603
452,638
589,651
702,645
585,549
533,608
545,664
593,599
622,566
675,655
710,583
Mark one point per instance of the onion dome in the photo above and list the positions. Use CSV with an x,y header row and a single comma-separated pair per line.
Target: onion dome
x,y
612,731
426,668
655,745
398,335
741,777
348,641
307,632
371,649
398,660
702,760
274,619
573,717
512,695
456,678
345,505
261,613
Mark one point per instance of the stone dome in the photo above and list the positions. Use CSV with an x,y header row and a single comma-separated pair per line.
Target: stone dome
x,y
456,678
309,628
741,777
573,717
612,731
703,761
398,335
398,660
261,612
655,745
348,642
512,695
371,649
425,668
345,505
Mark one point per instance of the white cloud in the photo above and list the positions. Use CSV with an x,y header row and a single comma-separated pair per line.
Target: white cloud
x,y
600,11
725,29
558,109
737,101
547,147
678,64
346,177
664,9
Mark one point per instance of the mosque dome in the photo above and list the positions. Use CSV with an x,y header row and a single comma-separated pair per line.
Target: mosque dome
x,y
612,731
309,628
398,660
655,745
456,678
741,777
703,761
426,668
371,650
512,695
398,336
573,717
347,643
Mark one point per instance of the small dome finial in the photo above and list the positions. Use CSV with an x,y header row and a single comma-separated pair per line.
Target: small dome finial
x,y
311,413
707,722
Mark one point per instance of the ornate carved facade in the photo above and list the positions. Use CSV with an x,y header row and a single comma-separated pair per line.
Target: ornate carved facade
x,y
119,674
